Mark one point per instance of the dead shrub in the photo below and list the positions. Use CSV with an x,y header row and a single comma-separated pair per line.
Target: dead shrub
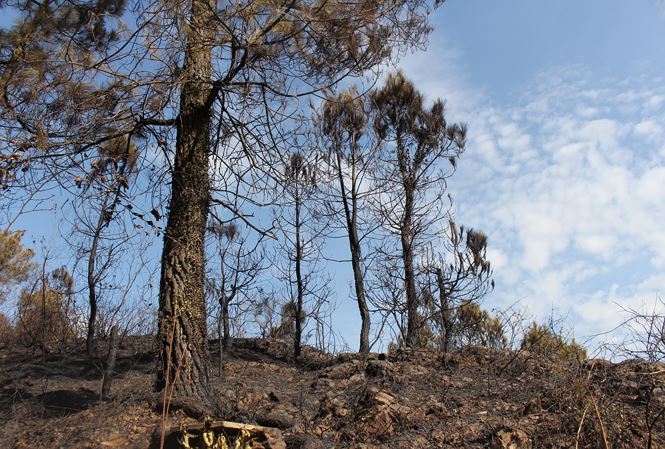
x,y
7,332
44,319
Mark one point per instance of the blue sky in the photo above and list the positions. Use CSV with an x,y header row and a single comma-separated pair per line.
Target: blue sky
x,y
565,164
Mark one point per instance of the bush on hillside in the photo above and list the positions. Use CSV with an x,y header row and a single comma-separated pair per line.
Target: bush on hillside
x,y
43,319
542,339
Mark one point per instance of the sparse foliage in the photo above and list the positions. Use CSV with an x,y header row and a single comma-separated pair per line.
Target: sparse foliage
x,y
475,326
351,157
15,261
45,316
541,338
301,231
197,79
458,274
418,142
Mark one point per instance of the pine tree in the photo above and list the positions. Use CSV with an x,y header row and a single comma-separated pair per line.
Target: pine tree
x,y
417,140
343,125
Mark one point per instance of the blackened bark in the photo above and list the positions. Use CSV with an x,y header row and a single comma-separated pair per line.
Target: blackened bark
x,y
350,214
299,280
446,315
105,214
408,174
409,272
110,363
360,292
92,287
184,356
220,340
226,339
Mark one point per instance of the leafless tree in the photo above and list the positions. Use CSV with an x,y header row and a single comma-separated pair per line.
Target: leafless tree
x,y
98,206
240,264
645,339
515,321
301,232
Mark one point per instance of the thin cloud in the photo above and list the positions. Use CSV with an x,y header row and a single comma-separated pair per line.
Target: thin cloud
x,y
660,4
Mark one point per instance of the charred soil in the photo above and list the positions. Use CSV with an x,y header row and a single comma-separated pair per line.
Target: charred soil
x,y
475,398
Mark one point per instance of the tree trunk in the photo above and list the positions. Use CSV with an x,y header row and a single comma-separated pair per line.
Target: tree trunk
x,y
350,214
110,363
360,293
184,356
106,212
412,324
445,312
92,287
220,342
227,339
299,281
407,175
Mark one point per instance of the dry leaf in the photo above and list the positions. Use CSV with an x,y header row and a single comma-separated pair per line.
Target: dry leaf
x,y
115,442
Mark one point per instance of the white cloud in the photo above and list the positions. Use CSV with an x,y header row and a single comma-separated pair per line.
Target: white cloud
x,y
657,100
569,184
451,87
649,129
498,258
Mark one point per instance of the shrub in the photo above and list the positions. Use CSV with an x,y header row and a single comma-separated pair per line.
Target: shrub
x,y
44,318
425,338
7,331
476,326
541,338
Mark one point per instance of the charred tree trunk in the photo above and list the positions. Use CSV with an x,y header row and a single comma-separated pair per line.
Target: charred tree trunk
x,y
184,356
110,363
446,314
407,174
220,340
409,272
105,214
350,214
299,281
92,285
227,339
360,293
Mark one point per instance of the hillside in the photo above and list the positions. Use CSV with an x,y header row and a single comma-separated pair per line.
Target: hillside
x,y
477,398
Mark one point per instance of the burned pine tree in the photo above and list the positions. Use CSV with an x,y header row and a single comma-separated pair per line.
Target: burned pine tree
x,y
455,272
301,233
417,142
350,157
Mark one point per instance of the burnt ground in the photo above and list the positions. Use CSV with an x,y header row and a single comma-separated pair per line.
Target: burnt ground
x,y
476,398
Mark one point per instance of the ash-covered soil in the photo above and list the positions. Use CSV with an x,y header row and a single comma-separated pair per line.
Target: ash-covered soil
x,y
476,398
